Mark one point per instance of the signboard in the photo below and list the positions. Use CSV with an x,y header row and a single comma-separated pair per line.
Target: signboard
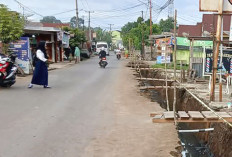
x,y
213,5
181,41
230,38
161,59
22,49
226,61
64,37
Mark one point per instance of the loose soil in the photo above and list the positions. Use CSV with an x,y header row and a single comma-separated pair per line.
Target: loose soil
x,y
134,134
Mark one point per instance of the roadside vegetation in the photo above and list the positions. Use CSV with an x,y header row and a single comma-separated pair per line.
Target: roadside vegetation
x,y
170,66
135,30
11,26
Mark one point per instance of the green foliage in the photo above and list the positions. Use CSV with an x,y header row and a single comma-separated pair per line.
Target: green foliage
x,y
134,31
50,19
166,25
170,66
73,22
11,26
78,36
103,35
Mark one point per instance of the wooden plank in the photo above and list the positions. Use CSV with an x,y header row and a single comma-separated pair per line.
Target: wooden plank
x,y
154,87
230,113
158,116
153,79
190,120
153,114
195,115
183,115
209,115
224,115
169,115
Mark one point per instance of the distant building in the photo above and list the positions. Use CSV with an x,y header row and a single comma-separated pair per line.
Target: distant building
x,y
51,33
116,39
207,27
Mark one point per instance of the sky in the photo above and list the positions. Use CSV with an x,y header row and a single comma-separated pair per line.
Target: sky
x,y
105,12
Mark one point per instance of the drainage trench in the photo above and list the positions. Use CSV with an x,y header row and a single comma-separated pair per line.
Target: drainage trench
x,y
193,144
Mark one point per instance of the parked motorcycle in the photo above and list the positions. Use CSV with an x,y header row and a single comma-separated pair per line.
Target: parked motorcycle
x,y
103,63
8,70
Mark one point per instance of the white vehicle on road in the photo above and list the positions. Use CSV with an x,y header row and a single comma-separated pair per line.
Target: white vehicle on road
x,y
101,44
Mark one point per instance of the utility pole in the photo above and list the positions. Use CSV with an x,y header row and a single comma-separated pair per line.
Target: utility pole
x,y
216,53
151,28
111,34
83,17
143,53
89,25
76,14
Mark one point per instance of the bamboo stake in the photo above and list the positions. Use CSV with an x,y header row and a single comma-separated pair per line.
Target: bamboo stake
x,y
174,55
216,53
166,82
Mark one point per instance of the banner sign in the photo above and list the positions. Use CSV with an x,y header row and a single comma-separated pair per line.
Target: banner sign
x,y
181,41
213,6
22,49
226,61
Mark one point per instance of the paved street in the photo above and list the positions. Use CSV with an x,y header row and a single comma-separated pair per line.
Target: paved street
x,y
58,121
88,112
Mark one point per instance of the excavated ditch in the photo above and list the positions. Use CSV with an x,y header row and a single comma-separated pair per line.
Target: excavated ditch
x,y
213,144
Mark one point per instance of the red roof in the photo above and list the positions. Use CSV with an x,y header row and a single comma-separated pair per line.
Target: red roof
x,y
57,25
191,30
209,22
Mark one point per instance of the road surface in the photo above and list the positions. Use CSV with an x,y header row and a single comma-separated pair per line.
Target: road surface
x,y
88,112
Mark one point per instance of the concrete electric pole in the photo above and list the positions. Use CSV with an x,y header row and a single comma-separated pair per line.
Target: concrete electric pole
x,y
151,28
76,14
111,33
89,25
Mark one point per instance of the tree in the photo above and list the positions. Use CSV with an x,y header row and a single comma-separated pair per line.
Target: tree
x,y
50,19
78,36
133,30
73,22
11,26
103,35
166,25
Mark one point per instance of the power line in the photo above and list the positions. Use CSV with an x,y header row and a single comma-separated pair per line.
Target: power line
x,y
25,7
138,5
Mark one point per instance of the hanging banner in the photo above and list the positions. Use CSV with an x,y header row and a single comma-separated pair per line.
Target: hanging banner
x,y
22,49
213,5
226,61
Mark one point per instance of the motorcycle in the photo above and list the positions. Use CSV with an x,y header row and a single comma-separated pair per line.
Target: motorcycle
x,y
118,56
103,62
8,70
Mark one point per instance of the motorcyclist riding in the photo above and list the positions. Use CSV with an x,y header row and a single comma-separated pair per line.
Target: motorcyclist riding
x,y
102,53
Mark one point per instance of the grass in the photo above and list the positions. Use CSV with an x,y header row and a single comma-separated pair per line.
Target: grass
x,y
170,66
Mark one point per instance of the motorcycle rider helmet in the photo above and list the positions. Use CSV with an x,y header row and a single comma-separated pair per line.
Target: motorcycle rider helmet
x,y
102,48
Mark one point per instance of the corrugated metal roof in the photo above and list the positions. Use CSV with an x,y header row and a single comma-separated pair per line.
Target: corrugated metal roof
x,y
42,29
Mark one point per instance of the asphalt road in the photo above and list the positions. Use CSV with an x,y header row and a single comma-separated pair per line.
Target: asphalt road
x,y
61,121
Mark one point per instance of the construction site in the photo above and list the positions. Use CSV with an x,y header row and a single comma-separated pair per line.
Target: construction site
x,y
196,98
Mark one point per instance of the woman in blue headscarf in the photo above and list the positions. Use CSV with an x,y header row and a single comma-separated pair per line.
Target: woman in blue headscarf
x,y
40,74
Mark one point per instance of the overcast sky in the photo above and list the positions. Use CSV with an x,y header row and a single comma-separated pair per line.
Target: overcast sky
x,y
105,12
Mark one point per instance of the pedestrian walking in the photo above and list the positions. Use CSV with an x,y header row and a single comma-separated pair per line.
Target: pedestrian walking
x,y
77,55
40,74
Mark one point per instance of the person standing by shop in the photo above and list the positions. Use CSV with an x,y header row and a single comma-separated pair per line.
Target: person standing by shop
x,y
40,74
77,55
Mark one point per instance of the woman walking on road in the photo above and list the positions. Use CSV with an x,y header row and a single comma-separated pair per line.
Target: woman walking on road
x,y
77,55
40,74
